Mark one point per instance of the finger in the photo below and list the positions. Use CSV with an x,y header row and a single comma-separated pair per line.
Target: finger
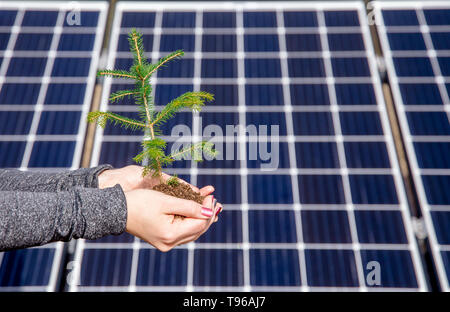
x,y
187,208
190,229
207,190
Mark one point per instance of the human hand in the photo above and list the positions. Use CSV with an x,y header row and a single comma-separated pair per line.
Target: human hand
x,y
130,178
151,217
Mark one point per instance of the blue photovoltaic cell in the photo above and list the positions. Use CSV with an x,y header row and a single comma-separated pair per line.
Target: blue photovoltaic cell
x,y
274,267
110,129
262,68
170,43
219,43
436,188
441,221
76,42
261,43
366,155
110,267
345,42
314,94
433,154
219,68
420,93
260,19
218,267
8,153
300,19
350,67
413,66
178,19
227,187
437,16
4,38
279,185
40,18
228,230
428,123
33,42
316,155
373,189
272,226
164,93
444,64
52,154
15,122
219,19
56,122
65,93
325,227
380,227
71,67
227,158
303,42
158,268
26,267
355,94
220,120
400,17
138,19
446,261
306,67
7,17
26,66
360,123
406,41
18,93
321,189
119,154
122,238
441,40
341,18
259,94
400,272
331,268
313,123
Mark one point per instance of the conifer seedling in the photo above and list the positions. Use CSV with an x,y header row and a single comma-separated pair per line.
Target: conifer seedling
x,y
153,156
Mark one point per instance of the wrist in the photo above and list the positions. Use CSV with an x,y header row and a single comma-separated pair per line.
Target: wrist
x,y
104,179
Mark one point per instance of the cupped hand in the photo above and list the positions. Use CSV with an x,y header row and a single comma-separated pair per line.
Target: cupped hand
x,y
151,217
130,178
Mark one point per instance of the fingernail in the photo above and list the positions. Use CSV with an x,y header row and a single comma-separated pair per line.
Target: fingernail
x,y
218,211
207,212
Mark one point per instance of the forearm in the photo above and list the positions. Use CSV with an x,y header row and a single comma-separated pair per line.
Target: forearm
x,y
15,180
36,218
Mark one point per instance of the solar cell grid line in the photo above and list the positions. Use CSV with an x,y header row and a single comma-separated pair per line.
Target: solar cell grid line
x,y
298,244
422,102
36,31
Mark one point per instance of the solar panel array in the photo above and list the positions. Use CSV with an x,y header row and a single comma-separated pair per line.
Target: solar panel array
x,y
334,204
416,43
47,75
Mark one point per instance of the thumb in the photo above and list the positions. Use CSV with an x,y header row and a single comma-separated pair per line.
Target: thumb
x,y
187,208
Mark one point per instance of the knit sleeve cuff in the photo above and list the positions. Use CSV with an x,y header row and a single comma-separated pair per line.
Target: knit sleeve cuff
x,y
88,177
102,212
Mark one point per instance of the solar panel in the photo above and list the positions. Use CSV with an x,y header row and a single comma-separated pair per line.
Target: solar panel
x,y
415,42
47,75
335,202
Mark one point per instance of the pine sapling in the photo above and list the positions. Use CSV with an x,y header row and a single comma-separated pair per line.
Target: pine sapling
x,y
153,156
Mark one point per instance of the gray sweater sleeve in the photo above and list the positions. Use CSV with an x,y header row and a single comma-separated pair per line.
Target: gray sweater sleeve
x,y
32,218
15,180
